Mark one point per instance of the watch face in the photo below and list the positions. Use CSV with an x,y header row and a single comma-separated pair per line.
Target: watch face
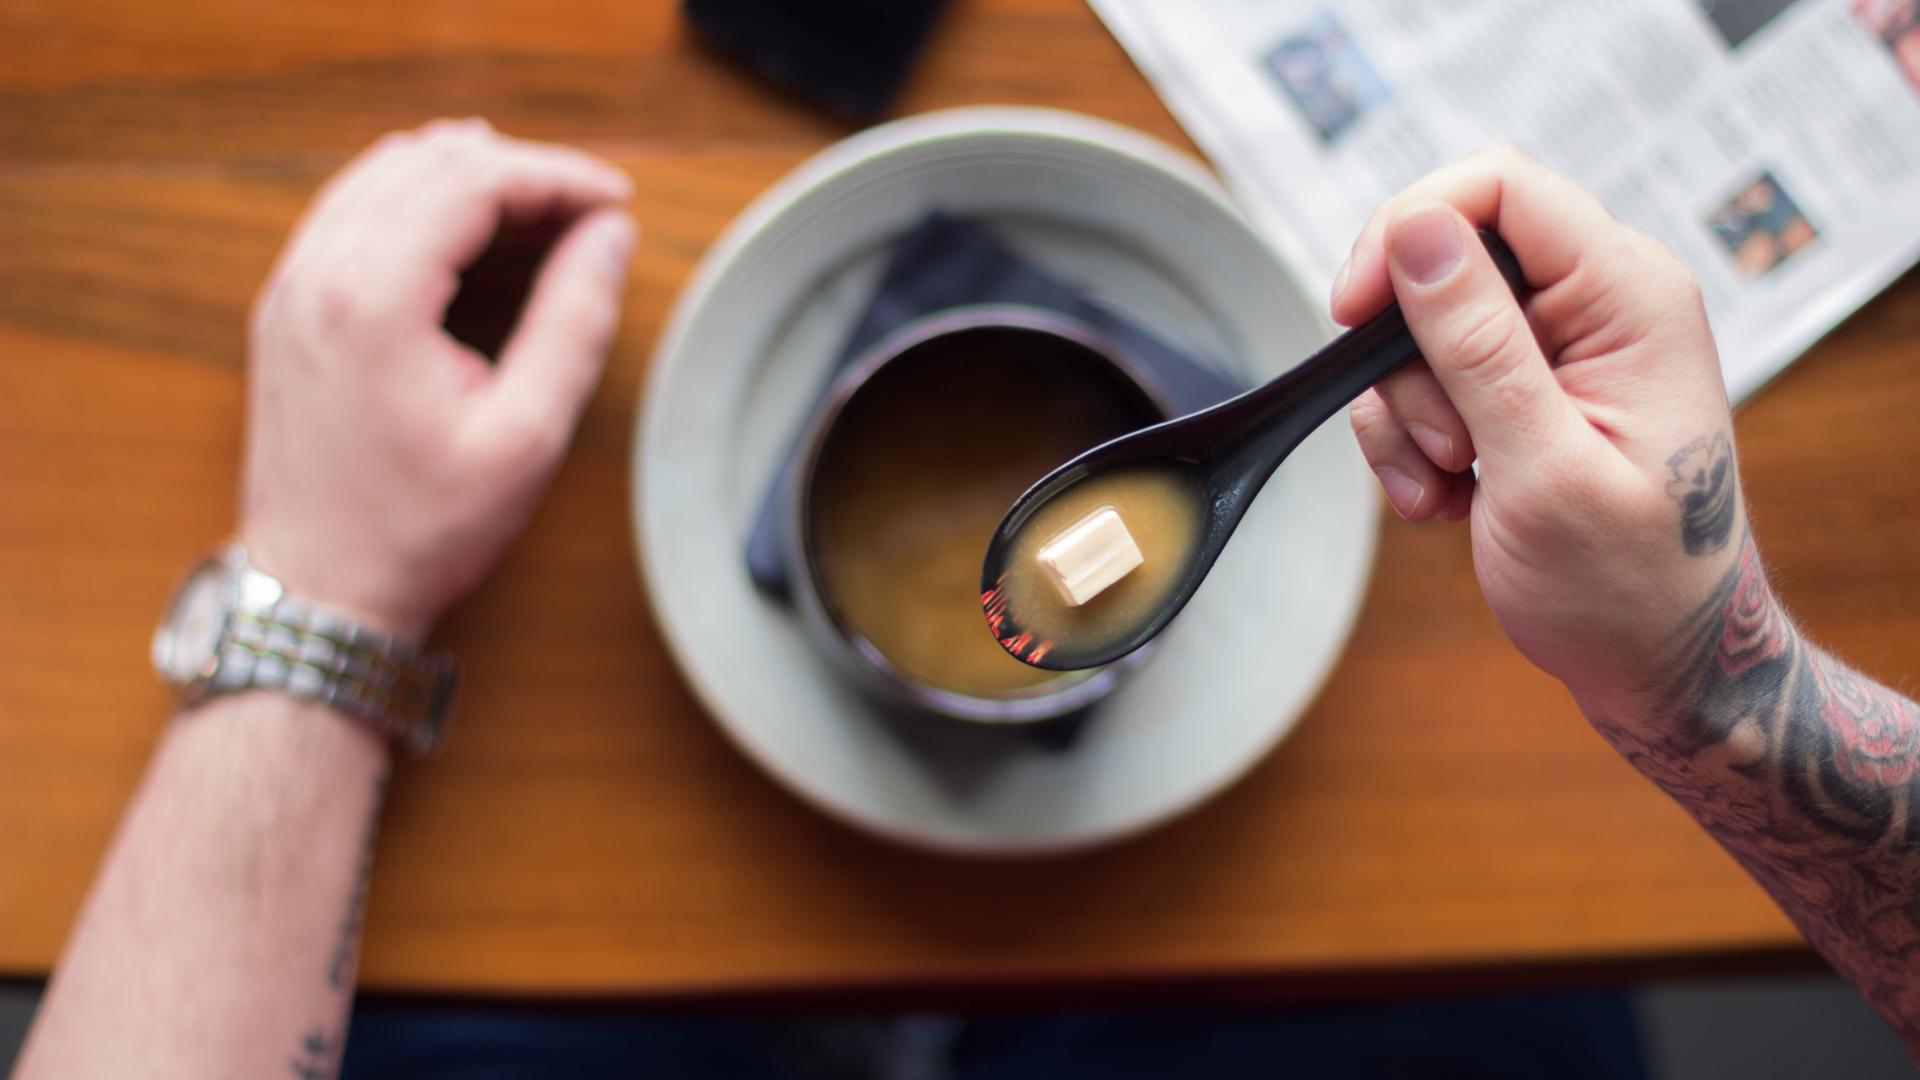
x,y
183,646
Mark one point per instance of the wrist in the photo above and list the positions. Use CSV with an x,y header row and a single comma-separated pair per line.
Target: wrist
x,y
1722,623
272,731
319,577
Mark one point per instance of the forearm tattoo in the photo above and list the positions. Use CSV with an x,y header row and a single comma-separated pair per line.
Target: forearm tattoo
x,y
319,1054
1702,482
1804,770
317,1058
346,946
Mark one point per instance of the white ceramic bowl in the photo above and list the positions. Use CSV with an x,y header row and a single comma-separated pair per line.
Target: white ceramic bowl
x,y
1133,224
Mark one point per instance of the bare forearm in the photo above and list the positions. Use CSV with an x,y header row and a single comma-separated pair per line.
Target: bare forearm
x,y
221,935
1806,771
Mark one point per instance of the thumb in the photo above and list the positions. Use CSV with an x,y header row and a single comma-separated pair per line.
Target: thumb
x,y
1474,336
550,365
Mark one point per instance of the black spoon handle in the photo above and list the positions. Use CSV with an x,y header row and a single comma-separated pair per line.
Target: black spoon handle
x,y
1277,416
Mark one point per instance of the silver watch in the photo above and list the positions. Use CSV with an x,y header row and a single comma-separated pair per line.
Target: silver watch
x,y
232,627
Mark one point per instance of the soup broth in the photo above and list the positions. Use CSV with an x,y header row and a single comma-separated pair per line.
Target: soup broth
x,y
917,471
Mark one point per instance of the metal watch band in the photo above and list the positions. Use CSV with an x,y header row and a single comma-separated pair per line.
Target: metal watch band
x,y
280,642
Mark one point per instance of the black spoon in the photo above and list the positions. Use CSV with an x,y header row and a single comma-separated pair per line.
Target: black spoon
x,y
1217,459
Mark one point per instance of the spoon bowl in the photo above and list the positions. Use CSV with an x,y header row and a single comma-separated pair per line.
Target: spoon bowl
x,y
1205,468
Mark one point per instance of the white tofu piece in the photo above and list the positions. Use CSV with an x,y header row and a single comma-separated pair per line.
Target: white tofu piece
x,y
1089,556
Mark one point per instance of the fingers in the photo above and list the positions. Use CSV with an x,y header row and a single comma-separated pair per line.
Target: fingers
x,y
462,184
1416,487
549,367
1549,221
1417,403
1475,338
1598,291
413,210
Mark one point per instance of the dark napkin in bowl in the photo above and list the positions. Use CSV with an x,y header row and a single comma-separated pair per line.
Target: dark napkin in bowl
x,y
947,262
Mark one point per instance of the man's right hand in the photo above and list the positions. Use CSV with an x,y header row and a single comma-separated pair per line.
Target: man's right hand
x,y
1610,539
1607,505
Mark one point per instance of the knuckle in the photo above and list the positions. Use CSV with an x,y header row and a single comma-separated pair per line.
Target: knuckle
x,y
1510,394
1619,254
525,437
1487,343
393,144
461,126
1368,414
340,301
447,139
480,173
1670,278
444,148
394,141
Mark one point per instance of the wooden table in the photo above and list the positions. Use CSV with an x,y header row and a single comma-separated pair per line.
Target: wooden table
x,y
1442,808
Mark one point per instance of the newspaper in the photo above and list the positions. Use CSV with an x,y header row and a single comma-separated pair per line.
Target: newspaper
x,y
1773,145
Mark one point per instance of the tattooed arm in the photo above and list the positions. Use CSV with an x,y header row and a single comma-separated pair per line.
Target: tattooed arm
x,y
1609,537
221,936
387,467
1803,769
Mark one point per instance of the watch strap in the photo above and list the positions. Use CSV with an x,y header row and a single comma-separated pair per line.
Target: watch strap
x,y
277,641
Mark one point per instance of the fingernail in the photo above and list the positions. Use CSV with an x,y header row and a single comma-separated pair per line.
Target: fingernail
x,y
1403,491
1340,279
616,247
1434,444
1427,246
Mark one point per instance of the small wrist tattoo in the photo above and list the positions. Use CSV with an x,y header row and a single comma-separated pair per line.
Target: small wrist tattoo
x,y
1701,480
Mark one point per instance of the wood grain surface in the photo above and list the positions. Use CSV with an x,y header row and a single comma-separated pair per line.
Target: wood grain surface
x,y
589,831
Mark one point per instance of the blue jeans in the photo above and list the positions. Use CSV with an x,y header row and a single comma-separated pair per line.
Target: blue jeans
x,y
1585,1036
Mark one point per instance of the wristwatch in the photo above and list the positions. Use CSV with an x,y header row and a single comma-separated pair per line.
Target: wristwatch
x,y
231,627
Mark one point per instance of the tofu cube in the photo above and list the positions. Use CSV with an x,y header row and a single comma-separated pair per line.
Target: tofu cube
x,y
1089,556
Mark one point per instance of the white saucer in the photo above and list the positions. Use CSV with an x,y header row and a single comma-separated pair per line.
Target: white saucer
x,y
1136,225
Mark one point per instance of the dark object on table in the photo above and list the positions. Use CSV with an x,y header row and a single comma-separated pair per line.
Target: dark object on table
x,y
849,55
